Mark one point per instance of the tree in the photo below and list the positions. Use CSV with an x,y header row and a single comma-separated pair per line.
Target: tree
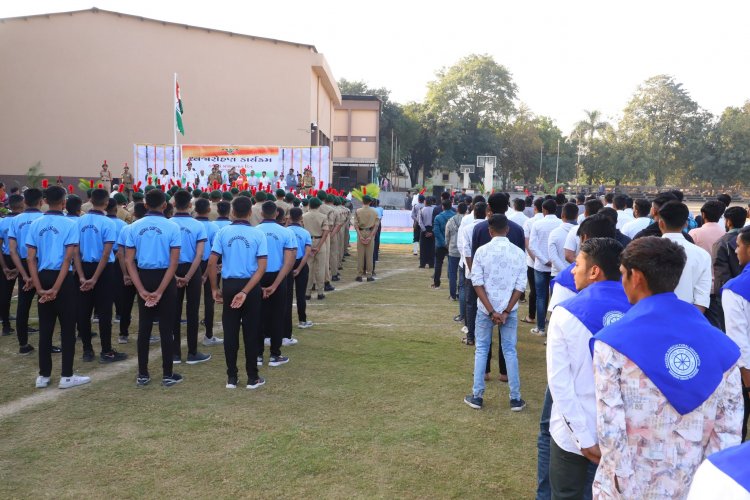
x,y
592,125
732,147
417,141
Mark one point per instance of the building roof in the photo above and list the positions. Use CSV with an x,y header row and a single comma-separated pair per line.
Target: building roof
x,y
97,10
351,97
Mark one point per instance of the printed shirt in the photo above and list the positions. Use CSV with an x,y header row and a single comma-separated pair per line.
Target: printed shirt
x,y
4,227
695,282
278,239
211,230
192,232
50,236
303,239
239,245
96,230
19,227
539,240
153,237
652,449
498,266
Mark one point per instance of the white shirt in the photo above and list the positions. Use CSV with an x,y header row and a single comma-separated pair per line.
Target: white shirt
x,y
519,218
527,234
571,383
467,219
623,218
556,246
164,180
559,294
539,239
711,483
282,183
635,226
265,180
572,241
737,320
695,282
252,180
203,183
463,241
581,217
499,267
190,176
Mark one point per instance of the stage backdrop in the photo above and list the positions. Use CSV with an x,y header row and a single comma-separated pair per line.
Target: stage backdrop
x,y
258,158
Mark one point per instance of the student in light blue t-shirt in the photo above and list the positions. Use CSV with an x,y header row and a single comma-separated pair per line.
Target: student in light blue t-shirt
x,y
9,272
128,289
202,209
300,273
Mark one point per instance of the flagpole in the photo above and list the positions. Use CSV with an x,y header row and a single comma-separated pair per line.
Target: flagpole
x,y
174,121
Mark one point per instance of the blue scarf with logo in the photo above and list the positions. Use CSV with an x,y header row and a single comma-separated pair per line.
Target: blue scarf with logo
x,y
734,463
565,279
675,346
740,284
598,305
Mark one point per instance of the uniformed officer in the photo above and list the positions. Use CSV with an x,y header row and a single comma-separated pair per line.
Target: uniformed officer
x,y
126,179
317,224
51,242
327,210
202,208
335,238
243,251
9,272
121,211
281,203
96,276
188,276
154,243
215,197
365,223
137,197
214,177
257,216
105,177
300,273
128,289
190,177
19,227
87,204
308,181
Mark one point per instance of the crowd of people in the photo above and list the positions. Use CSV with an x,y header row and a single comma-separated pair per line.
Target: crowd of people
x,y
248,252
647,343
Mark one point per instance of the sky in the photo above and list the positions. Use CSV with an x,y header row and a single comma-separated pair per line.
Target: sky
x,y
565,56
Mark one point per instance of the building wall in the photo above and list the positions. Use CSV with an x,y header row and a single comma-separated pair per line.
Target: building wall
x,y
82,87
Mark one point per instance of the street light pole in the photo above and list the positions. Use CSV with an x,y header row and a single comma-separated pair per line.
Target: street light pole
x,y
557,167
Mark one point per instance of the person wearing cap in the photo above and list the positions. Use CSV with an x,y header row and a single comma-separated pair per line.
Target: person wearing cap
x,y
328,211
215,197
189,176
138,196
318,226
105,177
128,292
214,177
126,179
51,243
202,208
365,221
121,211
308,181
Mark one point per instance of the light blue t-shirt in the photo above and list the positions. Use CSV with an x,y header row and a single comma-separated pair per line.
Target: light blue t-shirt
x,y
239,245
4,227
153,238
279,239
19,226
211,230
50,236
222,222
96,231
192,232
119,225
122,238
303,239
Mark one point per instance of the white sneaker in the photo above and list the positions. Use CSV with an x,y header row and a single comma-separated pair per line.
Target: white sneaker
x,y
306,324
464,329
267,342
539,333
212,341
42,382
122,340
75,380
259,361
288,342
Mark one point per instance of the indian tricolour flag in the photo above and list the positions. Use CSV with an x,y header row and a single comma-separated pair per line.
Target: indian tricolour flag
x,y
178,109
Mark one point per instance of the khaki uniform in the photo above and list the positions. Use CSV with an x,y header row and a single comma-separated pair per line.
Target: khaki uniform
x,y
126,179
366,219
285,206
333,254
213,214
317,223
213,176
105,177
327,210
256,216
86,207
124,215
308,181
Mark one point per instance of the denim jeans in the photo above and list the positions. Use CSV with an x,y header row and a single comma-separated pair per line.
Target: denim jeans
x,y
461,293
543,489
541,281
452,275
508,337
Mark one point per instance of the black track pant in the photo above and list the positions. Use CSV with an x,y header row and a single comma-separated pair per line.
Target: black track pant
x,y
208,303
272,314
193,293
245,317
126,308
63,309
100,299
6,293
300,284
164,311
25,299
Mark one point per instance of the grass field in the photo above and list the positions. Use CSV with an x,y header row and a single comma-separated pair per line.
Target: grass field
x,y
370,405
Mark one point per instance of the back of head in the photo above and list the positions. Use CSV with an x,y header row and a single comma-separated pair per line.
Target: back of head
x,y
155,198
497,223
445,195
570,211
498,203
478,199
659,259
447,205
580,199
609,213
663,198
268,210
279,215
725,199
528,201
712,211
628,202
223,208
15,202
519,204
55,195
549,206
560,199
295,214
678,194
182,200
421,198
99,198
620,202
480,210
737,216
593,206
538,204
112,207
139,210
609,197
674,214
241,207
642,207
605,254
597,226
202,207
462,208
72,204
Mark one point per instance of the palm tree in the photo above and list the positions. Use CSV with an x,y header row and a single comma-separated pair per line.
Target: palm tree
x,y
592,125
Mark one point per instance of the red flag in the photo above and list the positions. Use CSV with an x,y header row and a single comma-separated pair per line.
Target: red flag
x,y
100,186
244,186
423,190
45,183
91,184
278,184
121,188
224,187
158,181
70,188
216,185
364,190
268,188
139,184
320,185
179,183
164,188
234,183
260,186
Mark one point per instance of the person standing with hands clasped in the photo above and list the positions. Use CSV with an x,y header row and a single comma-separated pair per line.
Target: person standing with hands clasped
x,y
243,251
300,272
365,223
498,274
51,244
152,255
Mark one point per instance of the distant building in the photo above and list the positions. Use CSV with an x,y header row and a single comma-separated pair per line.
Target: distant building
x,y
356,141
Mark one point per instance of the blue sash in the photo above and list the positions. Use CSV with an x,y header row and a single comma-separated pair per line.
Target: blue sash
x,y
565,279
740,284
675,346
735,463
598,305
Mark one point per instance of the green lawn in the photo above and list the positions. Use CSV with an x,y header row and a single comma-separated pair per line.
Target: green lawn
x,y
370,405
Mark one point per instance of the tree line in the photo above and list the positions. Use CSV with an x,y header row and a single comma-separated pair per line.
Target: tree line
x,y
663,136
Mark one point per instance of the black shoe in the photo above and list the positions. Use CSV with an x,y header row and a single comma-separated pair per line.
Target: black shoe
x,y
517,404
171,380
341,268
198,357
25,350
328,288
308,297
88,356
374,274
32,330
176,359
335,278
255,383
358,278
321,296
56,349
370,278
142,380
474,401
347,254
112,356
458,318
232,382
421,267
8,331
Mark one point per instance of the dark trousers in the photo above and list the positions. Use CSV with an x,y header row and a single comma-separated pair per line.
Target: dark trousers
x,y
570,475
543,490
376,250
531,288
417,232
63,309
300,284
246,317
471,308
500,356
542,297
119,289
164,311
6,293
453,276
126,307
288,305
426,250
193,293
746,397
208,303
715,313
440,254
100,298
25,299
272,315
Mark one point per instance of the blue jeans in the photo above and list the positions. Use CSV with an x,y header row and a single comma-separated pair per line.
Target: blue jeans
x,y
508,337
452,275
461,293
543,490
541,281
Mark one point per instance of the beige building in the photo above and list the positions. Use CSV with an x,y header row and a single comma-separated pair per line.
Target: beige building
x,y
356,145
81,87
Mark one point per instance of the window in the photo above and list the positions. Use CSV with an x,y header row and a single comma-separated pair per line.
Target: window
x,y
446,177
